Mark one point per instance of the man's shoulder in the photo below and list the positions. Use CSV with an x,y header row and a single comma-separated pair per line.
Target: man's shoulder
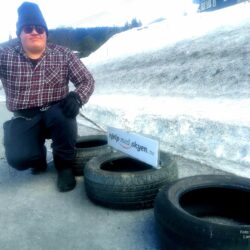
x,y
10,46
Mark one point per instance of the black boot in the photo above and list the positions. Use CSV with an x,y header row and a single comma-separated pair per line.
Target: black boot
x,y
65,179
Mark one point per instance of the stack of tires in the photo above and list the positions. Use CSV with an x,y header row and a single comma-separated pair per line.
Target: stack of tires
x,y
204,212
116,180
119,181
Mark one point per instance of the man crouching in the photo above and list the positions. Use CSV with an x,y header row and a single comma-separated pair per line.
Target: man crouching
x,y
35,76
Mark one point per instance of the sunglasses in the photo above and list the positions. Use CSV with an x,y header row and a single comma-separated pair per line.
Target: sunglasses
x,y
28,29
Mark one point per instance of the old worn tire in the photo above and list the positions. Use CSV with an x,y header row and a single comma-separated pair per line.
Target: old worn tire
x,y
206,212
88,147
119,181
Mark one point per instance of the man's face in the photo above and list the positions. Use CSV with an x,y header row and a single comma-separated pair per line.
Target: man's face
x,y
33,39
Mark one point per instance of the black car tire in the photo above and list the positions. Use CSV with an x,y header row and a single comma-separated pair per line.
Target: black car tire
x,y
208,212
88,147
119,181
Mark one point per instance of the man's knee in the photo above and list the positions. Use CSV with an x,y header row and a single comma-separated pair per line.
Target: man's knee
x,y
21,163
24,159
22,142
18,162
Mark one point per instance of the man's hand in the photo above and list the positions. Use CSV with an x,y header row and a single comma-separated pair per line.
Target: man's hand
x,y
71,104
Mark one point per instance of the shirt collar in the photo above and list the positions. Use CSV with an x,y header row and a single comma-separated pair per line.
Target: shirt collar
x,y
18,48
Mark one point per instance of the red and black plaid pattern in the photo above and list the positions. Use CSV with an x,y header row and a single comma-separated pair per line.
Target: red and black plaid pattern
x,y
27,86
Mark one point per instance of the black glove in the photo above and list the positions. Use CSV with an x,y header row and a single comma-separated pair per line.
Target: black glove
x,y
71,104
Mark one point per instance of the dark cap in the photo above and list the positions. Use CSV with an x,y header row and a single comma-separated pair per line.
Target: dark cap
x,y
29,14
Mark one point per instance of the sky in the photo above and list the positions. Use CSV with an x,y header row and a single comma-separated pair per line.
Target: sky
x,y
93,13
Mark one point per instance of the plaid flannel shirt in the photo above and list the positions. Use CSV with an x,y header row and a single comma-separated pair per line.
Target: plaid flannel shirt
x,y
28,87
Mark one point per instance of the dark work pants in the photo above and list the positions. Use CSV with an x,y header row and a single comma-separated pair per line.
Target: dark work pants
x,y
24,139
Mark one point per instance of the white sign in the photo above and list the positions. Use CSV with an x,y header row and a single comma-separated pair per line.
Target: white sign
x,y
140,147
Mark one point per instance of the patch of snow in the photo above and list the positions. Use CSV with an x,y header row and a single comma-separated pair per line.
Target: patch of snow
x,y
159,35
184,81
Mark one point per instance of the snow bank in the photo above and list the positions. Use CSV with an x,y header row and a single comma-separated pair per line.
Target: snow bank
x,y
184,82
158,35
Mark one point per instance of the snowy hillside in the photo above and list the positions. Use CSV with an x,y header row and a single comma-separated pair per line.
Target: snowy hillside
x,y
185,82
